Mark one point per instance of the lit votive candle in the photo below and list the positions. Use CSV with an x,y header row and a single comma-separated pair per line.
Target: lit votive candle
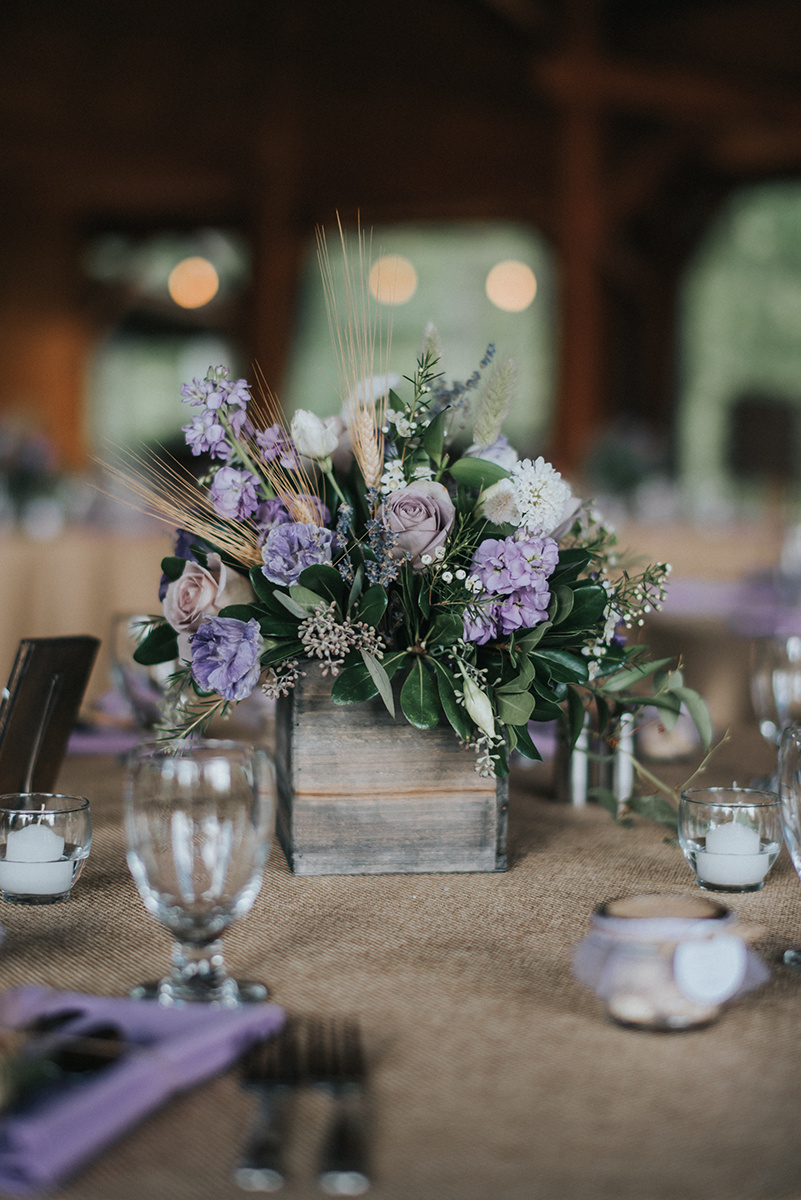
x,y
732,856
34,863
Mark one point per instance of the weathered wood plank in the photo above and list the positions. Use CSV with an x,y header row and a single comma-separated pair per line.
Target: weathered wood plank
x,y
361,793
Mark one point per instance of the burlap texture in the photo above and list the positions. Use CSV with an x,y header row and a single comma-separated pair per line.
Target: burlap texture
x,y
492,1072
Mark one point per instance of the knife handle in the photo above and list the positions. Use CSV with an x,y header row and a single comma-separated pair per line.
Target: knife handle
x,y
261,1167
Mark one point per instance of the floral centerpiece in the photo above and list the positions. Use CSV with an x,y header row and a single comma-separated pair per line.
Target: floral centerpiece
x,y
405,546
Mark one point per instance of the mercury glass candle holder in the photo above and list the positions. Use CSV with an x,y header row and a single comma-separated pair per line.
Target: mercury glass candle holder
x,y
45,840
730,836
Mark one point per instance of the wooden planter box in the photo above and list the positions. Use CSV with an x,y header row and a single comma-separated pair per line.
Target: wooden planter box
x,y
362,794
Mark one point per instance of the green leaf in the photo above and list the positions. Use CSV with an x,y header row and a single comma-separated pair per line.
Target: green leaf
x,y
634,675
356,586
532,639
576,714
445,629
571,564
173,567
522,680
326,582
354,684
262,587
275,627
564,599
423,596
308,600
477,472
564,666
160,645
434,436
669,707
419,698
280,649
525,745
605,798
696,707
241,612
292,606
514,709
372,605
454,712
380,679
393,660
655,807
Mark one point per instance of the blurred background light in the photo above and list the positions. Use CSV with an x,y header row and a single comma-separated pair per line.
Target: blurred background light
x,y
511,286
193,282
393,279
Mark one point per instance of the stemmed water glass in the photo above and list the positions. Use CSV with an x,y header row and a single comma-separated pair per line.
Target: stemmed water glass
x,y
790,799
198,823
776,684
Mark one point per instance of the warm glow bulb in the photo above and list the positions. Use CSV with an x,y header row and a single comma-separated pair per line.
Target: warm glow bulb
x,y
393,279
193,282
511,286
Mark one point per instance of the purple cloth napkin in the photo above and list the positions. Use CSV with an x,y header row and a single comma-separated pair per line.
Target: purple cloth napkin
x,y
172,1049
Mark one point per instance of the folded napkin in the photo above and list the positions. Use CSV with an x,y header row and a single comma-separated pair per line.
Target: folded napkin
x,y
171,1050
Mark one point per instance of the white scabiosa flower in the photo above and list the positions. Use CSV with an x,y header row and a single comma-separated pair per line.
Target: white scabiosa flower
x,y
540,493
499,503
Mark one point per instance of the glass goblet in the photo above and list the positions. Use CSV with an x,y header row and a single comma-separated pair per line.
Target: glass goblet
x,y
198,823
790,801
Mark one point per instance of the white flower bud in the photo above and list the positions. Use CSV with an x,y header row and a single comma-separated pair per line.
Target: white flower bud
x,y
312,437
478,705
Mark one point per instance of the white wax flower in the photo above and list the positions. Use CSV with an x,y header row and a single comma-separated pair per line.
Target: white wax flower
x,y
499,505
541,494
313,437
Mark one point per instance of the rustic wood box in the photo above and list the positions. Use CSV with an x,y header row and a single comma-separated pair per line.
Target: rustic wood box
x,y
362,794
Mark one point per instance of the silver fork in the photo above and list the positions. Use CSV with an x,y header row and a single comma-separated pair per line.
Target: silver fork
x,y
273,1069
336,1062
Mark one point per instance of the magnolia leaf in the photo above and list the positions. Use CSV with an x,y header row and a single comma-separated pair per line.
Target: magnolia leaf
x,y
633,675
477,472
419,698
545,710
354,684
576,714
521,682
696,707
392,660
158,646
655,807
454,712
514,709
276,627
525,745
570,565
173,567
380,679
292,606
372,605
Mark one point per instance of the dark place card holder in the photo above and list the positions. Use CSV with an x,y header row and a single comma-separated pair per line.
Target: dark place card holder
x,y
39,709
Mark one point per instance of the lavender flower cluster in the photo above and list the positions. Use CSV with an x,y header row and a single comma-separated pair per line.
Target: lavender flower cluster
x,y
509,578
224,403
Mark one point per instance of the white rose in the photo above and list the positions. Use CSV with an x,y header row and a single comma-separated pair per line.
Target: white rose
x,y
313,437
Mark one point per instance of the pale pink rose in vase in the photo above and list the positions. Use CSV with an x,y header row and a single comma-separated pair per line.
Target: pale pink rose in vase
x,y
202,592
422,515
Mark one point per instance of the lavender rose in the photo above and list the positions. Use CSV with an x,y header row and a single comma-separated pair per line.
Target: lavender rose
x,y
421,514
202,592
225,657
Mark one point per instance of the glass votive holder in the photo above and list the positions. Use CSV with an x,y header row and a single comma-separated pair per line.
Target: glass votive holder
x,y
45,840
730,836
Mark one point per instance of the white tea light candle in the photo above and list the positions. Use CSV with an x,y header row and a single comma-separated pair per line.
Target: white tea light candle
x,y
732,856
44,842
730,836
34,862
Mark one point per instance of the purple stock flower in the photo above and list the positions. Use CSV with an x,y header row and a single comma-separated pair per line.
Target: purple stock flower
x,y
289,549
513,573
521,610
276,445
225,656
479,626
204,435
271,512
233,493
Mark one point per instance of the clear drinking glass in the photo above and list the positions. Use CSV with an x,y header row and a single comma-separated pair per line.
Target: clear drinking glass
x,y
776,684
198,821
790,799
731,837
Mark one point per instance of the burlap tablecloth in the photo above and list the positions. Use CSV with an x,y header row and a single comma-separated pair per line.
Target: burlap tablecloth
x,y
492,1072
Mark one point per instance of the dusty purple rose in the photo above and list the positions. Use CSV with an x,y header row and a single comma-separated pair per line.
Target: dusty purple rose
x,y
421,514
289,549
225,657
